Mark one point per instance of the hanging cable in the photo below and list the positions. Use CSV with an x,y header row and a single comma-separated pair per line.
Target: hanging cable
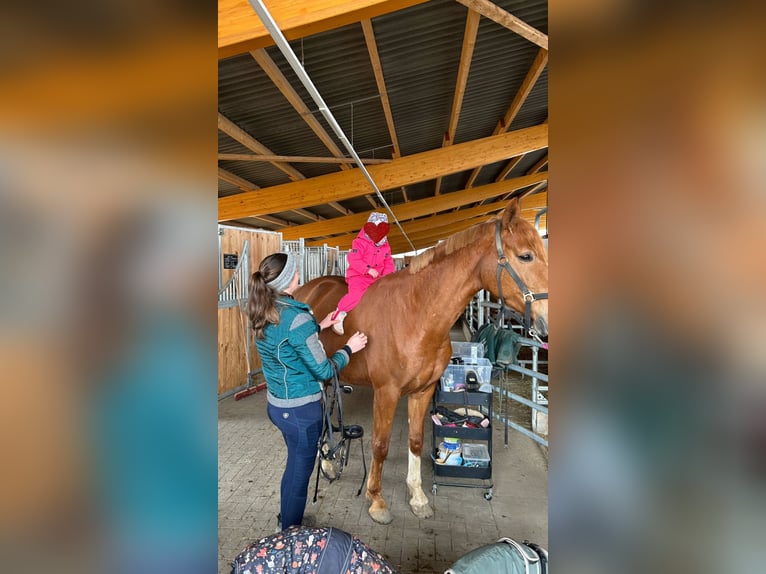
x,y
292,59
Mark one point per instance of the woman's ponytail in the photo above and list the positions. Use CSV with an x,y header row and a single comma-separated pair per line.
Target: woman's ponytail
x,y
261,306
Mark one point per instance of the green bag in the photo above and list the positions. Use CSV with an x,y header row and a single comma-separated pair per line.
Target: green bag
x,y
506,556
502,345
487,335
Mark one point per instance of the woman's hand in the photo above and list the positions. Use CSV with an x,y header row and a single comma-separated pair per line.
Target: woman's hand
x,y
328,321
357,342
373,272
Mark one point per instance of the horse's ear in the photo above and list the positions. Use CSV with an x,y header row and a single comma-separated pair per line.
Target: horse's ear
x,y
511,210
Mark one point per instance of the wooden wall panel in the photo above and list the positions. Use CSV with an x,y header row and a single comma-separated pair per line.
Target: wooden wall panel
x,y
232,358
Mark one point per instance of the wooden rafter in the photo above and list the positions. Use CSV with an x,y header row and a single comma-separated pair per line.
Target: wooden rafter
x,y
431,236
542,185
505,18
509,167
281,82
425,240
539,165
246,185
240,29
537,67
415,228
339,208
372,49
414,209
234,179
237,133
422,224
401,171
469,41
308,215
274,220
295,158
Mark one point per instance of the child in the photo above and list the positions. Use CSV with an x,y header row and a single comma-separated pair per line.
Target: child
x,y
368,260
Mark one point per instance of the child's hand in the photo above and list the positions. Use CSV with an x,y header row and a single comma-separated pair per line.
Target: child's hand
x,y
373,273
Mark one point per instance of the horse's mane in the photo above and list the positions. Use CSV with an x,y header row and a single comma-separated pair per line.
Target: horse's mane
x,y
449,245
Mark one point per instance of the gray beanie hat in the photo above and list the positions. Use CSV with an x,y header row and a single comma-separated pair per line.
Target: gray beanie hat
x,y
282,281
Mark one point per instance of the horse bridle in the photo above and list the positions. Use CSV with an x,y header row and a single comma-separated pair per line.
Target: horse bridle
x,y
528,295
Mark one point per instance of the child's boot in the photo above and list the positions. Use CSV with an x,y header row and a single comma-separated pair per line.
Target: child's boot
x,y
338,327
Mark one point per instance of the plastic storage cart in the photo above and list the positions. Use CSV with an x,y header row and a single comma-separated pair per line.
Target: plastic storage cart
x,y
480,461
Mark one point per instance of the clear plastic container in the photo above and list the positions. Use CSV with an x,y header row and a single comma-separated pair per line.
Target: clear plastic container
x,y
475,455
454,377
469,352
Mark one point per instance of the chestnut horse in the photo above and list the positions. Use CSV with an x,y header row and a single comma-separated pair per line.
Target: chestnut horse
x,y
408,316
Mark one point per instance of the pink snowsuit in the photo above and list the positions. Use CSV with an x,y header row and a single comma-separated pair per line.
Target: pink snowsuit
x,y
363,256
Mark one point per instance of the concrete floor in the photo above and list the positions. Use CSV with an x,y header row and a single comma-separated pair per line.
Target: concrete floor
x,y
252,456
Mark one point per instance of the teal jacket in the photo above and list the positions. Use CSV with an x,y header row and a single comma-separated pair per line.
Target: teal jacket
x,y
293,358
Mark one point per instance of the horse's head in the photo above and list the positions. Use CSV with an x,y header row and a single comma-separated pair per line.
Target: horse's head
x,y
523,250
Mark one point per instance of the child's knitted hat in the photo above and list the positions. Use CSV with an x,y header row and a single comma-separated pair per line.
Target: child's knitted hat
x,y
377,217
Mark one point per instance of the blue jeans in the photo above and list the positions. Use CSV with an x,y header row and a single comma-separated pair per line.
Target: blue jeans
x,y
301,427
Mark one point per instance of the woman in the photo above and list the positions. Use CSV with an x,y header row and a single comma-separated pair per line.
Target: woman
x,y
294,364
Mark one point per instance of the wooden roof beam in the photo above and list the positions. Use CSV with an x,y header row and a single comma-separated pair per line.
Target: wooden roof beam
x,y
309,215
234,179
537,67
539,165
238,134
430,237
466,54
401,171
418,208
275,220
339,208
245,185
529,81
425,223
240,29
395,237
281,82
422,241
372,49
295,158
508,20
414,226
509,167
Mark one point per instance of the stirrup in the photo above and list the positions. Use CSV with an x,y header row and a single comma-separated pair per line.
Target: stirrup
x,y
330,463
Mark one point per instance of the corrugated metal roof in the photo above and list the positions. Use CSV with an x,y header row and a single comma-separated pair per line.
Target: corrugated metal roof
x,y
420,50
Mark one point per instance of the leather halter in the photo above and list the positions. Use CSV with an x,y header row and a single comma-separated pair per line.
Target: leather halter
x,y
528,295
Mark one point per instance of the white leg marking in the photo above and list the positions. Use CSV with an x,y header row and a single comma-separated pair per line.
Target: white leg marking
x,y
414,482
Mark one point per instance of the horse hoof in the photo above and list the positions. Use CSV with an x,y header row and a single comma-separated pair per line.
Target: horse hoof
x,y
423,511
381,515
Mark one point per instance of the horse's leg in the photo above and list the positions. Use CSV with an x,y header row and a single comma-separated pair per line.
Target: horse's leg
x,y
384,407
417,405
